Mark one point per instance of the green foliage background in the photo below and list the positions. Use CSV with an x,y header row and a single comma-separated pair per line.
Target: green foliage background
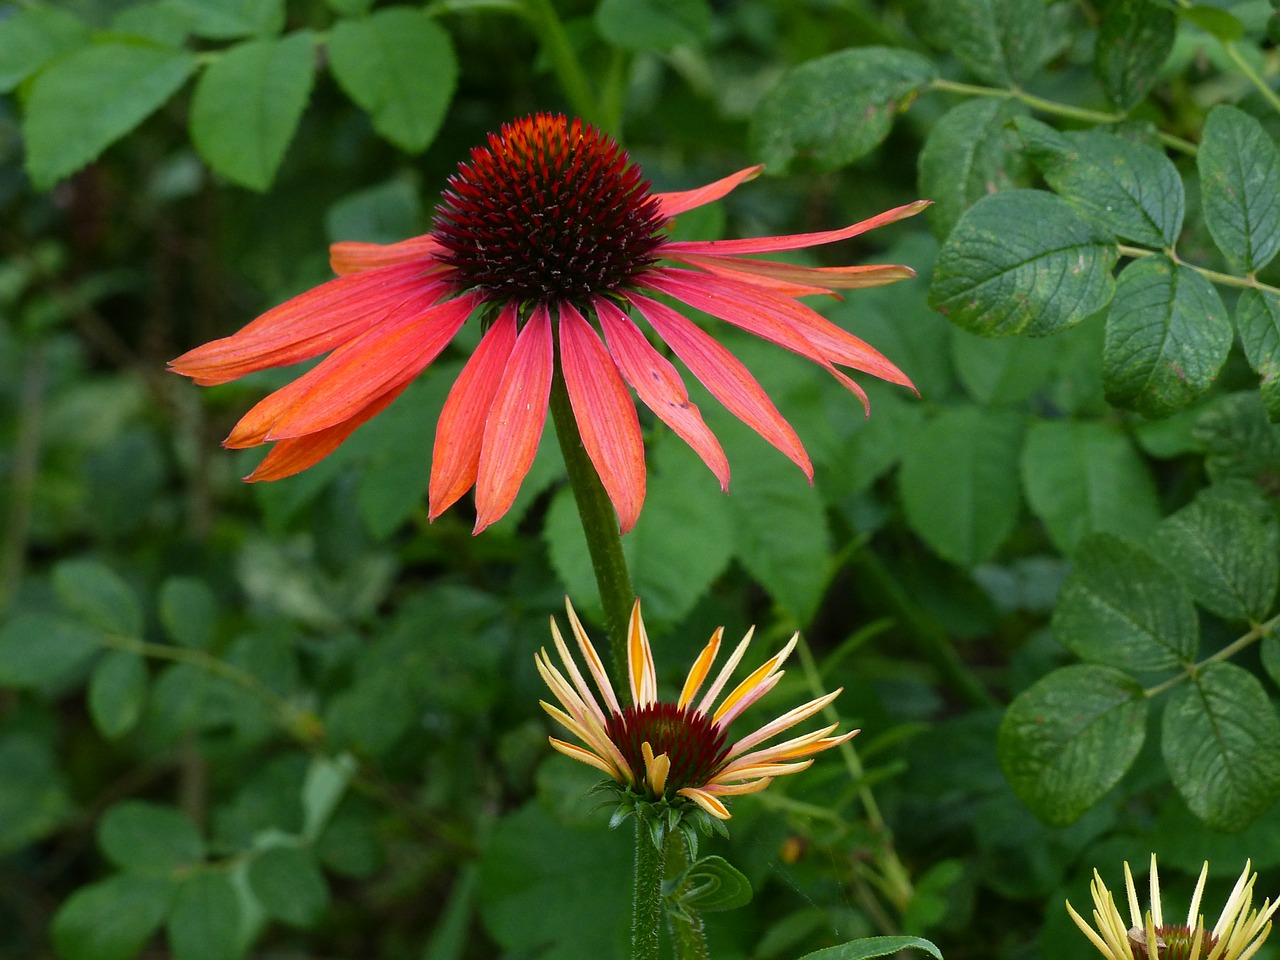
x,y
297,720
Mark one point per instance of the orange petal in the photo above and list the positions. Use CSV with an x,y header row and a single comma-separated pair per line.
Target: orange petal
x,y
310,324
673,203
351,257
516,419
657,383
605,414
455,459
725,376
784,277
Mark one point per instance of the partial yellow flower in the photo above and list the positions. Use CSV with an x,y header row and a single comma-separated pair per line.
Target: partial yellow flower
x,y
663,750
1237,935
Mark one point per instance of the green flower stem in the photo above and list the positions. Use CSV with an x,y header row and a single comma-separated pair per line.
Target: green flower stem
x,y
564,61
688,932
599,524
1054,108
646,915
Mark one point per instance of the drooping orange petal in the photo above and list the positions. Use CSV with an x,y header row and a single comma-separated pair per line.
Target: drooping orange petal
x,y
350,256
516,419
288,457
657,383
455,459
795,241
393,352
310,324
725,376
784,277
680,201
606,417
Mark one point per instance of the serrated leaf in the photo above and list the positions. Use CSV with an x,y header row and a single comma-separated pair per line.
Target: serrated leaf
x,y
959,482
188,611
1240,186
1133,189
287,882
1258,322
89,99
233,19
1221,742
1000,41
112,919
247,106
833,110
867,948
41,648
205,922
117,693
1167,337
969,153
1023,261
93,591
653,24
34,37
1121,608
1069,738
1134,40
399,66
1086,477
149,838
1225,545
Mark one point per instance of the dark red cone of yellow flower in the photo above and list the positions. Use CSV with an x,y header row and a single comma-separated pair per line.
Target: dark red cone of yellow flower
x,y
552,232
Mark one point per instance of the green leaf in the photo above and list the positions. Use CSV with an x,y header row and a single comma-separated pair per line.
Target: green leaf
x,y
1168,335
1086,477
117,693
247,106
653,24
1214,20
867,948
149,838
288,883
188,611
205,922
969,153
34,800
1258,321
959,482
1004,372
1000,41
41,648
1023,261
384,213
156,21
349,8
112,919
1221,742
1270,654
838,108
1239,442
1131,188
325,784
92,590
1070,737
232,19
34,37
399,66
710,885
93,97
1123,609
1240,186
1225,545
1134,40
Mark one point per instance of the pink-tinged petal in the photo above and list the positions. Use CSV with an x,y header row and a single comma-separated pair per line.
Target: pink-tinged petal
x,y
594,663
673,203
737,789
794,241
658,385
706,801
725,376
785,722
455,459
516,419
760,312
726,672
605,414
293,456
755,686
353,257
310,324
784,277
587,757
388,355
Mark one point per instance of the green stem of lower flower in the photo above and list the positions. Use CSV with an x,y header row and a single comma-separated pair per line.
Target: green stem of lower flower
x,y
564,61
688,932
646,914
599,524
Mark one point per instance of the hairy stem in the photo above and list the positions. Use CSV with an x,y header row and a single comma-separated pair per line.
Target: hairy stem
x,y
646,913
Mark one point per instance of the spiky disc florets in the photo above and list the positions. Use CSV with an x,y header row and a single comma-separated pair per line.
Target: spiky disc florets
x,y
694,744
550,210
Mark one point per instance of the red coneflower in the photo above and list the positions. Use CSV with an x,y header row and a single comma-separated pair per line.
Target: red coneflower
x,y
551,234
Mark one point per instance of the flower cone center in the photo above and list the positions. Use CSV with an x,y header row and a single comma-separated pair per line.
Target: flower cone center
x,y
550,210
1174,941
692,742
